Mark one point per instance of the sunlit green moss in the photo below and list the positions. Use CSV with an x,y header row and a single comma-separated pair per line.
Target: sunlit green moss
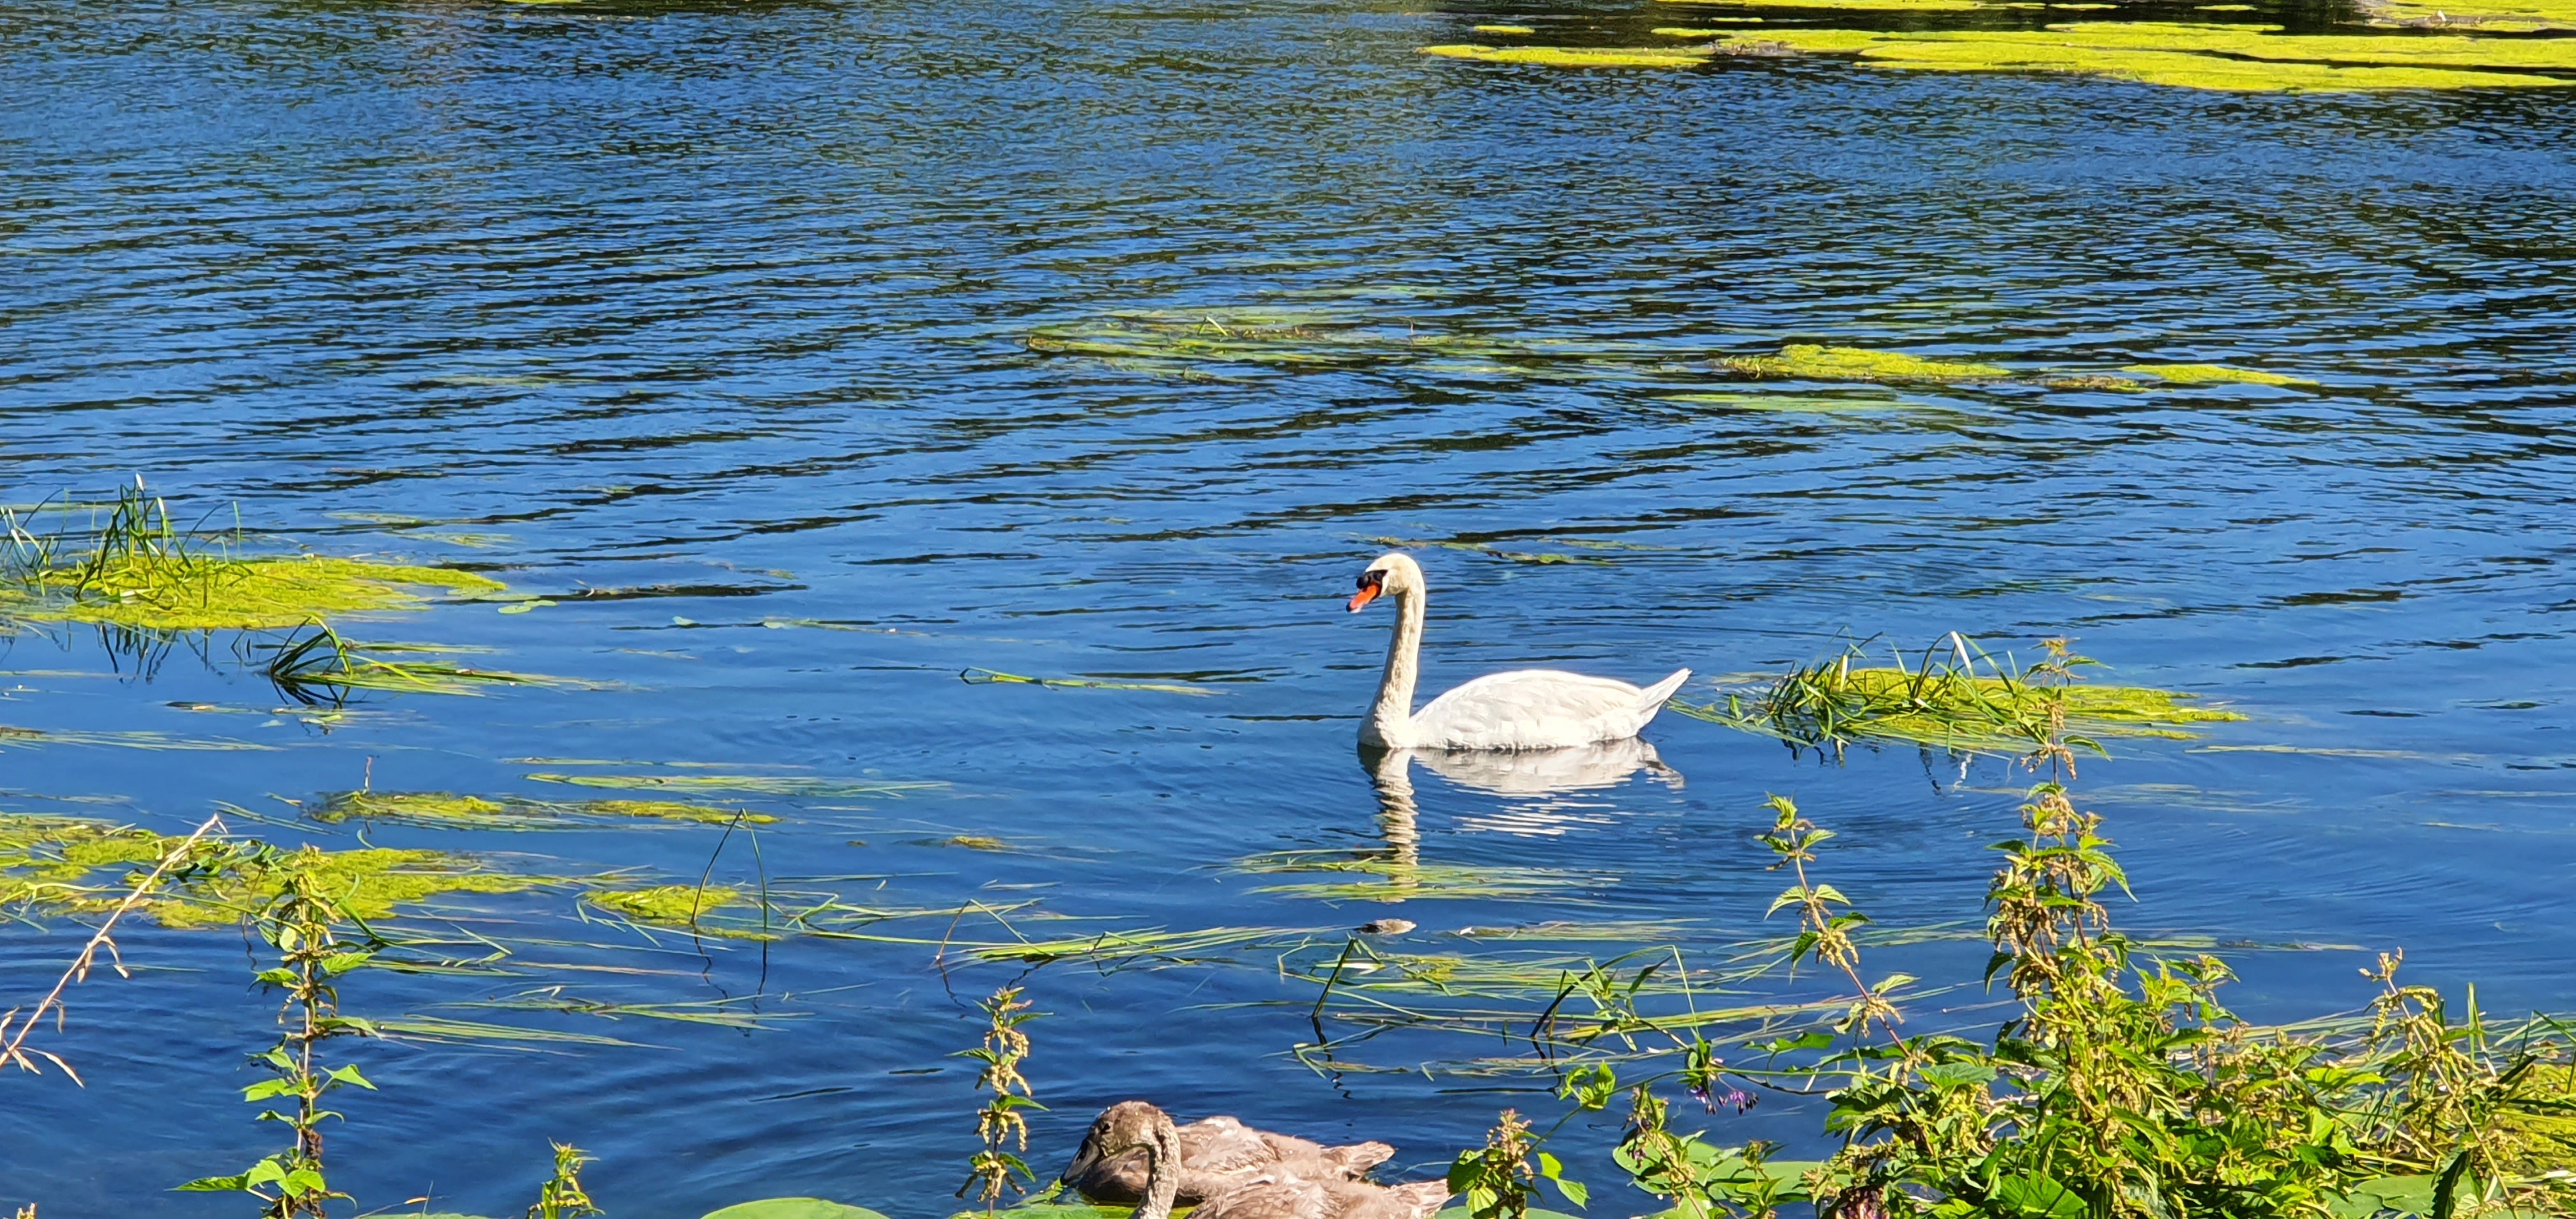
x,y
2203,374
1810,362
1572,57
2247,58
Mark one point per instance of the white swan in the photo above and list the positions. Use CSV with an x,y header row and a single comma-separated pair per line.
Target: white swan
x,y
1523,709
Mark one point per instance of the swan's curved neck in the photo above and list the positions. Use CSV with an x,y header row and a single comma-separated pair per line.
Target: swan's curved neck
x,y
1162,1172
1390,720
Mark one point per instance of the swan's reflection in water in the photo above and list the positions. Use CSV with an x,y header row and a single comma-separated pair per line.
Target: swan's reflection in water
x,y
1540,787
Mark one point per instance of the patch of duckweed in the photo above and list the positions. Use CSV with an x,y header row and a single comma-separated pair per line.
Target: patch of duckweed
x,y
682,906
1952,705
2243,58
448,810
1811,362
2206,374
1572,57
11,736
1505,29
372,882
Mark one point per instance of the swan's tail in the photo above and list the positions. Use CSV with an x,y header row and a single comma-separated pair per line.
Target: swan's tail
x,y
1656,695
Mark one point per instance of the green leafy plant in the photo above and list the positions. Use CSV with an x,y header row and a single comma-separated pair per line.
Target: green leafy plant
x,y
2121,1088
1498,1179
1001,1123
316,940
562,1196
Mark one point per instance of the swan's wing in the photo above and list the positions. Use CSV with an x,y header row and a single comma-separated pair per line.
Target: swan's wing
x,y
1539,709
1357,1158
1269,1197
1222,1144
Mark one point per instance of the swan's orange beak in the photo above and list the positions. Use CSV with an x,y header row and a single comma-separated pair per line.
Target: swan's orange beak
x,y
1360,599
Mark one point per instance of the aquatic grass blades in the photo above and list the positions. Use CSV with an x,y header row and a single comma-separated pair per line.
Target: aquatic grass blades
x,y
1957,697
139,570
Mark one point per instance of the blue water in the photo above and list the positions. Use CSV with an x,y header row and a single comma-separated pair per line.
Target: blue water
x,y
675,301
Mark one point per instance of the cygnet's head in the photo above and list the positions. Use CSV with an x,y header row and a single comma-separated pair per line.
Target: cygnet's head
x,y
1393,574
1120,1128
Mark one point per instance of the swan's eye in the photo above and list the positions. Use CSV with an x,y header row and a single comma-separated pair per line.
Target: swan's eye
x,y
1372,579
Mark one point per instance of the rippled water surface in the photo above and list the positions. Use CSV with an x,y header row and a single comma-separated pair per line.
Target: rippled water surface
x,y
710,325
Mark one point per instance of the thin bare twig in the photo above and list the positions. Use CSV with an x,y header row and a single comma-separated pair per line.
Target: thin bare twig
x,y
14,1052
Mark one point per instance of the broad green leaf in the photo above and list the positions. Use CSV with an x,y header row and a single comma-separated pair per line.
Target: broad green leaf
x,y
226,1185
2404,1195
2037,1195
794,1208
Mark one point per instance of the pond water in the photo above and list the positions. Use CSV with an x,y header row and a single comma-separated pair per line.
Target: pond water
x,y
710,325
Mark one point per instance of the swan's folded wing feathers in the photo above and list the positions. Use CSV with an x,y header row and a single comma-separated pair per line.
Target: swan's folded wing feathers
x,y
1534,709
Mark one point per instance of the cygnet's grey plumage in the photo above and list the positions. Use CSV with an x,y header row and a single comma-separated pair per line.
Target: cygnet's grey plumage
x,y
1217,1153
1299,1180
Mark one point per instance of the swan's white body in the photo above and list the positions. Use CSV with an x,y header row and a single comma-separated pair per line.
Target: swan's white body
x,y
1523,709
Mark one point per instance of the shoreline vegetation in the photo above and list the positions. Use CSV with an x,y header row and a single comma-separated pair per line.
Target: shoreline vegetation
x,y
2117,1086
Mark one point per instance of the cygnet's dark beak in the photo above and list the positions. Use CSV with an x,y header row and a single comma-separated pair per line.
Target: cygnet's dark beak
x,y
1083,1160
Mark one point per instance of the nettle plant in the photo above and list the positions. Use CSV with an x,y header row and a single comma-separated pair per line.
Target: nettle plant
x,y
2122,1088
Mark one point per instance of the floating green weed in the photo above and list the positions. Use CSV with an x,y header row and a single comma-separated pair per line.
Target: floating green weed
x,y
1858,6
140,571
680,906
1572,57
2246,58
1948,703
987,677
448,810
1154,944
1505,29
15,737
1810,362
370,883
316,666
2205,374
50,861
765,785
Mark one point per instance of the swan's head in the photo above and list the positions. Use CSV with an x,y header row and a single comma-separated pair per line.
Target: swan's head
x,y
1121,1128
1394,574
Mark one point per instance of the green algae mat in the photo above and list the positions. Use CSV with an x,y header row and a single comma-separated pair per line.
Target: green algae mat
x,y
2229,57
